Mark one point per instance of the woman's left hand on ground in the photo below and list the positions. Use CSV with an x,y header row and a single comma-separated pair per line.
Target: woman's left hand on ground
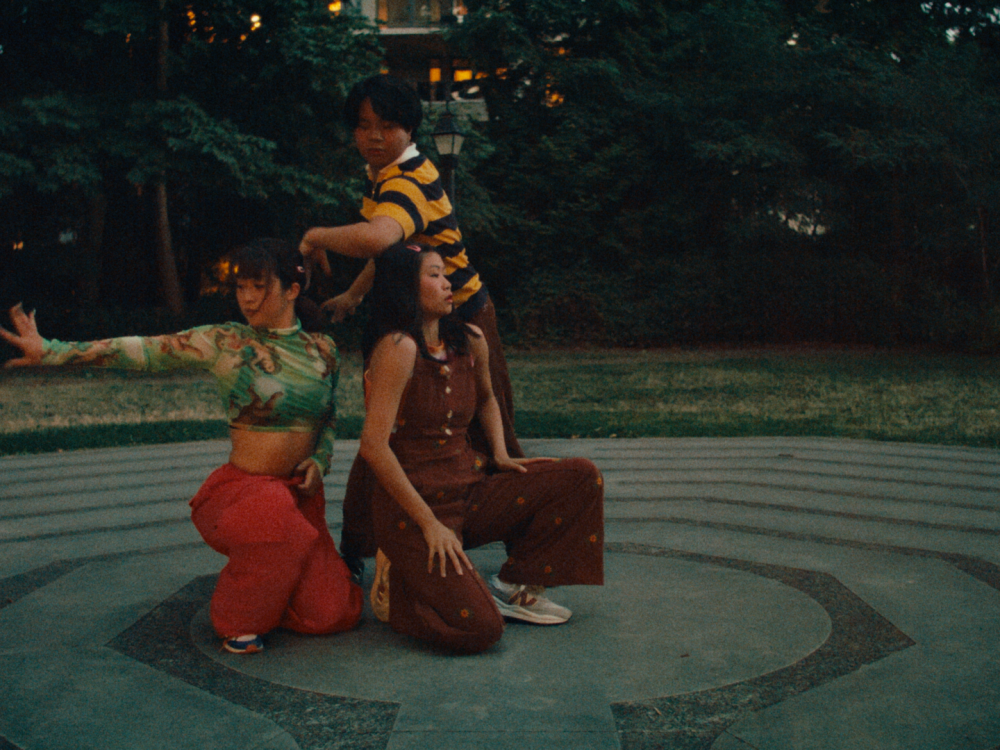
x,y
518,464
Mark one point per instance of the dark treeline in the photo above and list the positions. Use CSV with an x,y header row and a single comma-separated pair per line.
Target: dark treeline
x,y
690,172
140,140
651,172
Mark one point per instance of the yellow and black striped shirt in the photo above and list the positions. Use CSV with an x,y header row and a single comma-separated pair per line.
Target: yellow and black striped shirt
x,y
411,193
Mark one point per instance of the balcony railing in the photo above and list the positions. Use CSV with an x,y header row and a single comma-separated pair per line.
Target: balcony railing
x,y
418,13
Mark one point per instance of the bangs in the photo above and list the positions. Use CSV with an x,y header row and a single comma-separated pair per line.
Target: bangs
x,y
254,266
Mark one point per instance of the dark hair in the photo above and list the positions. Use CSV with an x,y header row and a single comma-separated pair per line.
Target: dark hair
x,y
392,99
395,302
266,258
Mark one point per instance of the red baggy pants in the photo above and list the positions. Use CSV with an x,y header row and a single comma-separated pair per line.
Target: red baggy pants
x,y
283,567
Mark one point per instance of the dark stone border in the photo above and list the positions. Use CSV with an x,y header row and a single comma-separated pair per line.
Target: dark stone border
x,y
162,640
981,570
859,636
22,584
16,586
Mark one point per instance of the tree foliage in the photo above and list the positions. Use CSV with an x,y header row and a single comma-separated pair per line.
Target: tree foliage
x,y
762,170
234,107
674,171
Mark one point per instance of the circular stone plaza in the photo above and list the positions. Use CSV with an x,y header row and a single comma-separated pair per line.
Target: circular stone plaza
x,y
760,593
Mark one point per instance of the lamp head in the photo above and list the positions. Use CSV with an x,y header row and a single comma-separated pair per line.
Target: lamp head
x,y
447,137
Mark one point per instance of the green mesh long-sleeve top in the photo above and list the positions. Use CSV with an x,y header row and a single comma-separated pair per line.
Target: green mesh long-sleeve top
x,y
273,380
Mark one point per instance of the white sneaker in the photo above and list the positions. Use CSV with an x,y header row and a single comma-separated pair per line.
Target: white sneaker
x,y
526,603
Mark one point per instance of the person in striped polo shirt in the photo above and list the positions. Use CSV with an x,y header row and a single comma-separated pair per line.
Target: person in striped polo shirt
x,y
404,200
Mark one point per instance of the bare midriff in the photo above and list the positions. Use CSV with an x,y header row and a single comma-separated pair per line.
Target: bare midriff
x,y
272,453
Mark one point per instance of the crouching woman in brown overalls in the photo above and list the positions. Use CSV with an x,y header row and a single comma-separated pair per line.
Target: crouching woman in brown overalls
x,y
428,376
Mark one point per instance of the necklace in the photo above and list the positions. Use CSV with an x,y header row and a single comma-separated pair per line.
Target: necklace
x,y
435,349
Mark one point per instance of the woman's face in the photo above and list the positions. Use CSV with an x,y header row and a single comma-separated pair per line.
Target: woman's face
x,y
435,289
381,142
265,304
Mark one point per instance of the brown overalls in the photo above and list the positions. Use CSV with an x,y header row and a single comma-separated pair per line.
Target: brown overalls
x,y
551,518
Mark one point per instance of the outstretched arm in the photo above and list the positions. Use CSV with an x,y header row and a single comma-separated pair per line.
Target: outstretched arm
x,y
26,338
366,239
196,348
391,367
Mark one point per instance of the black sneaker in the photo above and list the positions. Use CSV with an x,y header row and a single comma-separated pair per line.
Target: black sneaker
x,y
357,567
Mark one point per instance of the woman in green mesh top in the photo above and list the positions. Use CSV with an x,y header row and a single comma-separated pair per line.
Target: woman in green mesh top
x,y
265,509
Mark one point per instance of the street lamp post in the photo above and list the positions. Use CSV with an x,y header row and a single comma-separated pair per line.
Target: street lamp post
x,y
448,139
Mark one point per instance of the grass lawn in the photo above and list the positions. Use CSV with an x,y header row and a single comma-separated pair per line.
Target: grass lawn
x,y
944,399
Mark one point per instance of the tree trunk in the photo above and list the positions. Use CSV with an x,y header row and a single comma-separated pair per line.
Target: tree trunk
x,y
166,262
